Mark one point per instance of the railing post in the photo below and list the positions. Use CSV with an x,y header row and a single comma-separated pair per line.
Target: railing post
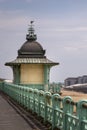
x,y
45,105
19,101
22,95
67,108
55,106
25,97
82,114
29,96
41,104
36,101
31,99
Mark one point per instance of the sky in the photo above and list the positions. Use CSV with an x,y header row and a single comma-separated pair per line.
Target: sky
x,y
61,28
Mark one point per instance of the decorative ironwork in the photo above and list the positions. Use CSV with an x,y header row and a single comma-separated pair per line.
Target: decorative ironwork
x,y
31,36
52,108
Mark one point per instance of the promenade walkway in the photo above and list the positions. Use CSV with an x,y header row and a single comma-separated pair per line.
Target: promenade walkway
x,y
10,119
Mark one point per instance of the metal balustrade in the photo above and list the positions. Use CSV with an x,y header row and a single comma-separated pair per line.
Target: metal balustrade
x,y
51,108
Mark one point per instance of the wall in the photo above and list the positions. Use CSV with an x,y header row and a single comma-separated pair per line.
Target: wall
x,y
31,74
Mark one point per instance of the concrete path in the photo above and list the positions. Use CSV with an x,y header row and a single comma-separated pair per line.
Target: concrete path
x,y
10,119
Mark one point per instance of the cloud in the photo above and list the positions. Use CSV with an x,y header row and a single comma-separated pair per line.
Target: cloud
x,y
62,37
74,29
11,20
19,17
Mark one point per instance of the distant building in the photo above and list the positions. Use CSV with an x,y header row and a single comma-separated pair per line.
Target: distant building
x,y
70,81
77,80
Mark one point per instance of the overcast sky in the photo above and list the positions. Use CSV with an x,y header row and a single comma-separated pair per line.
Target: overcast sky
x,y
61,28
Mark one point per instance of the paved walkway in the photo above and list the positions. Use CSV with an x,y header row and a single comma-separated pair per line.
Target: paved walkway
x,y
10,119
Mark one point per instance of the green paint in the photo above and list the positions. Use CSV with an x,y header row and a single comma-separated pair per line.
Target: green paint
x,y
52,108
34,86
16,74
46,76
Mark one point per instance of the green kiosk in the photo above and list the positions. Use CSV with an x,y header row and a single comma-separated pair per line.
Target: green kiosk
x,y
31,67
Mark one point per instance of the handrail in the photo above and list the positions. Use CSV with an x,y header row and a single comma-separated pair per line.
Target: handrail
x,y
59,112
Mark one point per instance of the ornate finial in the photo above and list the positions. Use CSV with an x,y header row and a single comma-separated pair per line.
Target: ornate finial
x,y
31,22
31,36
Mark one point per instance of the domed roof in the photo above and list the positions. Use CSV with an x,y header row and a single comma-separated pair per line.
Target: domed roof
x,y
31,48
31,52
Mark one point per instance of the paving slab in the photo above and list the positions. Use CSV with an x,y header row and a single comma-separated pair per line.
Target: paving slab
x,y
10,119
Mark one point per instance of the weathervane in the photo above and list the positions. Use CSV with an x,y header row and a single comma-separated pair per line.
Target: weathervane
x,y
31,22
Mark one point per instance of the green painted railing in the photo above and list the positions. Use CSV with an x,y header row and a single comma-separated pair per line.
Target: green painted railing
x,y
58,112
37,86
55,88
